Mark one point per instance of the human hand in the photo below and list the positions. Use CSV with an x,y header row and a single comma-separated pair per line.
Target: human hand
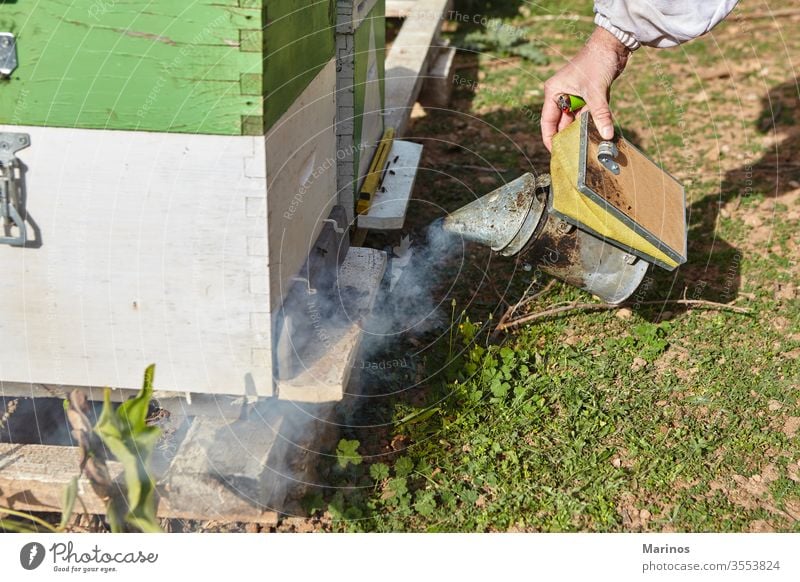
x,y
589,75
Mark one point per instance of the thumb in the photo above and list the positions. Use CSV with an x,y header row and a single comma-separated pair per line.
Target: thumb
x,y
601,115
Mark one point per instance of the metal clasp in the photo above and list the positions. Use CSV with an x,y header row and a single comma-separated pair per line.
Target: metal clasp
x,y
11,188
606,152
8,54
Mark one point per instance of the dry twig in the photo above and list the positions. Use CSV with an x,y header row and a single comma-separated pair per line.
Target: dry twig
x,y
92,453
525,300
608,306
493,169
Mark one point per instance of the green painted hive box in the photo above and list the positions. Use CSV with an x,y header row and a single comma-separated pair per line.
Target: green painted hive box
x,y
226,67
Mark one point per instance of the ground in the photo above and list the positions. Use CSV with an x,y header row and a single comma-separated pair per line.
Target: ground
x,y
650,418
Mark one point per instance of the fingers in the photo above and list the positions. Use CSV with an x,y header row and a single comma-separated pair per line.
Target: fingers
x,y
601,115
567,117
551,120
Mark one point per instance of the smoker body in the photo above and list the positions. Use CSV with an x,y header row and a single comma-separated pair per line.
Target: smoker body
x,y
516,219
604,213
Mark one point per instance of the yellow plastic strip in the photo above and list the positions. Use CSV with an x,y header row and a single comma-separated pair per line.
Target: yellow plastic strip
x,y
374,177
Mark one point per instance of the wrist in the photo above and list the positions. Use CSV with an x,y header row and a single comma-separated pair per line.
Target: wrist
x,y
626,39
607,43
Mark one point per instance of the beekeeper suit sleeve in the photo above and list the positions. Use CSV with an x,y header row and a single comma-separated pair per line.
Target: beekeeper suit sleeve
x,y
659,23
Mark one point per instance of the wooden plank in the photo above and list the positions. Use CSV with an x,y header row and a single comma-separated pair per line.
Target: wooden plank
x,y
642,192
301,179
408,60
369,85
327,364
438,86
399,8
298,44
389,206
151,249
360,89
33,478
212,67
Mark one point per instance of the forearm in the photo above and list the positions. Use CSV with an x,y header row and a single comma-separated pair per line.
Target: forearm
x,y
611,48
659,23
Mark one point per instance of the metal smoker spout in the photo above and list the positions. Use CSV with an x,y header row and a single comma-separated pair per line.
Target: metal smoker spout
x,y
516,219
503,217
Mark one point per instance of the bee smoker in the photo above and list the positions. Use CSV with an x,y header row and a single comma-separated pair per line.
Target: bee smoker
x,y
517,220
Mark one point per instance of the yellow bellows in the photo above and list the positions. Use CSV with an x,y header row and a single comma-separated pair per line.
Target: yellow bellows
x,y
570,202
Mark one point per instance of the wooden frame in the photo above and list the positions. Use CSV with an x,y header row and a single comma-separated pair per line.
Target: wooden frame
x,y
409,59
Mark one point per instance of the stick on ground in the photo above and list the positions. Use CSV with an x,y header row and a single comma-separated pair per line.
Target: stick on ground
x,y
502,326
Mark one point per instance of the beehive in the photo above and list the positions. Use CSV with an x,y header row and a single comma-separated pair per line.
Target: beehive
x,y
182,159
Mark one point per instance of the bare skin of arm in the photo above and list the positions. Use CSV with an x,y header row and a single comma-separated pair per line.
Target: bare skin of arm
x,y
588,75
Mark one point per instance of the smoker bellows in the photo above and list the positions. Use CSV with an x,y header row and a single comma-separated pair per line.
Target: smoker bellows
x,y
603,215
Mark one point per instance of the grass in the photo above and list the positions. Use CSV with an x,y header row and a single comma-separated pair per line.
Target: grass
x,y
655,419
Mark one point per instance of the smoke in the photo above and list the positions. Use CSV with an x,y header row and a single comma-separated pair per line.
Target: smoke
x,y
409,302
311,319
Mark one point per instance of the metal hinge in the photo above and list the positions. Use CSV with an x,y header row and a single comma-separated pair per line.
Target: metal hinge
x,y
8,54
11,199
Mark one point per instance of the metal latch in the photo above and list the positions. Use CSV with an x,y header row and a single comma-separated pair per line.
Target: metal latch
x,y
11,188
606,152
8,53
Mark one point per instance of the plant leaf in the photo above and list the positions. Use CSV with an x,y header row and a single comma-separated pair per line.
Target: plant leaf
x,y
126,434
403,467
347,453
68,501
11,526
378,471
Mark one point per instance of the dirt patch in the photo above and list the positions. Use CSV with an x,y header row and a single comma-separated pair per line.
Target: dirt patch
x,y
793,508
633,518
760,526
791,426
785,291
303,525
676,360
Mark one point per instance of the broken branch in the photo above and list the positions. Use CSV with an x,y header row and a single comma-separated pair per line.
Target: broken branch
x,y
609,306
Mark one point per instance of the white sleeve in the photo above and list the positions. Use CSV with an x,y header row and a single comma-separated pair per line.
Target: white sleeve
x,y
659,23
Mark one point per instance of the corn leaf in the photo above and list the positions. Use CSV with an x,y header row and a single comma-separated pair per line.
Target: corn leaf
x,y
126,434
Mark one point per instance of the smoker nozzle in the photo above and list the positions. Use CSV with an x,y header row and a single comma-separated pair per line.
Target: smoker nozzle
x,y
517,219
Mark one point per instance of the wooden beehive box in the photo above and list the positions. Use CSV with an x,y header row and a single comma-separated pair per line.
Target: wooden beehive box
x,y
181,162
